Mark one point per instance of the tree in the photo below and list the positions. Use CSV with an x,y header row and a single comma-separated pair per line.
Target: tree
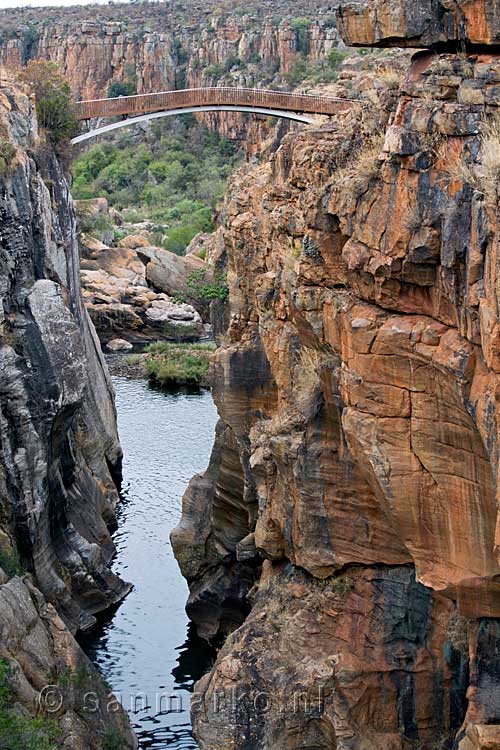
x,y
122,88
55,106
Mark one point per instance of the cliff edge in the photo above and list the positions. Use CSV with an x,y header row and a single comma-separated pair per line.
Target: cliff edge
x,y
351,506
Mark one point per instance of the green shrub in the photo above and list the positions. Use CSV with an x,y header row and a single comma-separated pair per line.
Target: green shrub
x,y
122,88
216,70
95,224
317,71
7,156
160,175
203,291
233,61
6,692
113,740
179,237
10,564
335,58
55,106
19,732
301,27
31,35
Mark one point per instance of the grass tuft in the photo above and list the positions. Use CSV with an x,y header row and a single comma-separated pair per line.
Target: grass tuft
x,y
483,176
179,364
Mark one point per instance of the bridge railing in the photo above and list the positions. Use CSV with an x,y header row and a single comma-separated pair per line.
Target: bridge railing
x,y
210,96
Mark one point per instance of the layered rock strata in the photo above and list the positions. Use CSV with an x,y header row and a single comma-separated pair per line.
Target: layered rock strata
x,y
357,387
123,287
429,23
92,53
160,48
59,451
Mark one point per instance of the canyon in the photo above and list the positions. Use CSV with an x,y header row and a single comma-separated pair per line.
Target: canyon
x,y
342,548
171,46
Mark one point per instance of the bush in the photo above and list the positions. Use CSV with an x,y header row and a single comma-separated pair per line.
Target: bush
x,y
122,88
233,61
179,364
179,237
10,564
318,71
7,156
193,164
55,106
113,740
301,27
202,291
216,70
335,58
22,732
97,225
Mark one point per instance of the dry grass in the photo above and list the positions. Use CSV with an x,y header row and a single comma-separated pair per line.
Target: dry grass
x,y
356,175
458,633
483,176
306,374
390,77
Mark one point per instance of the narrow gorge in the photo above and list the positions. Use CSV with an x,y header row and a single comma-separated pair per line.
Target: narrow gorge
x,y
342,547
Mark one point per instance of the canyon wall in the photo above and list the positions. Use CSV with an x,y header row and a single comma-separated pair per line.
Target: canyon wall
x,y
163,46
59,452
155,48
351,504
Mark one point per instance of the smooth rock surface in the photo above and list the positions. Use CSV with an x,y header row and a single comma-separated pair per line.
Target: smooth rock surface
x,y
60,459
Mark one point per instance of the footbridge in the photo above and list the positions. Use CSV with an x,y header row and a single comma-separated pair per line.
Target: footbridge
x,y
142,107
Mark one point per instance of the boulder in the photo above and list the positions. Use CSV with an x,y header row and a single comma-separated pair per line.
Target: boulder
x,y
169,272
133,241
119,345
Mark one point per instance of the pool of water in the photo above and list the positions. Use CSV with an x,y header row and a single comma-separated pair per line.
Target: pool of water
x,y
146,649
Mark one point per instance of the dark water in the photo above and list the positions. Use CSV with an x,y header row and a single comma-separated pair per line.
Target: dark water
x,y
146,650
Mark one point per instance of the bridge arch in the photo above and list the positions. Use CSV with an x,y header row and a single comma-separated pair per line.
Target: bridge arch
x,y
143,107
294,116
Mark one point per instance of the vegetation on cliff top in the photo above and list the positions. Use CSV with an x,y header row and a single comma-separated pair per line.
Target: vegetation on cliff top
x,y
54,100
27,22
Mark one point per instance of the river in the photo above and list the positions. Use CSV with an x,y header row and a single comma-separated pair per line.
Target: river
x,y
145,649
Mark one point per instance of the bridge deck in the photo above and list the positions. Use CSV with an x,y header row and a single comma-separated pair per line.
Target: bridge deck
x,y
211,96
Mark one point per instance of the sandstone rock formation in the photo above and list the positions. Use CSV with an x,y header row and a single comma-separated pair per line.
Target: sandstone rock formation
x,y
124,291
59,452
49,670
174,46
357,455
427,23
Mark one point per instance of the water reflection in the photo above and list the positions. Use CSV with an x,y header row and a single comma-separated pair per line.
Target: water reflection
x,y
146,649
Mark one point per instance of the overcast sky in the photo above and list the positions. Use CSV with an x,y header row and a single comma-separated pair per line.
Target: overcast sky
x,y
40,3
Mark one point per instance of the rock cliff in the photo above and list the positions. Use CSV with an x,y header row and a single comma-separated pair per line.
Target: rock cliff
x,y
352,497
431,23
59,452
166,45
154,47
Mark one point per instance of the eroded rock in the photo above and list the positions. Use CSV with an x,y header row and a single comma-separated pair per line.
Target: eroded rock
x,y
357,384
60,459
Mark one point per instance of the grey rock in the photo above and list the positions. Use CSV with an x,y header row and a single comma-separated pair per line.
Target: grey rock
x,y
119,345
